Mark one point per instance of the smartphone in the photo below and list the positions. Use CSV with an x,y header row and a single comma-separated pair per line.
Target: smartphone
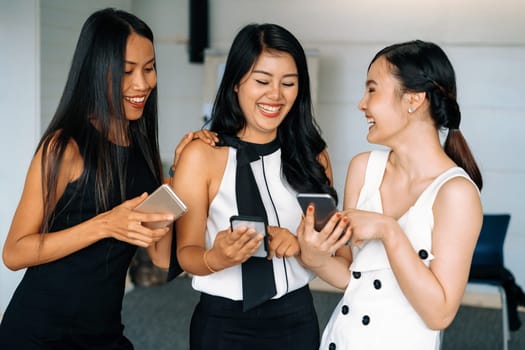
x,y
324,205
162,200
256,222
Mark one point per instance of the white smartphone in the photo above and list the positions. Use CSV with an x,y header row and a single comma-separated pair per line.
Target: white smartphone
x,y
256,222
162,200
324,205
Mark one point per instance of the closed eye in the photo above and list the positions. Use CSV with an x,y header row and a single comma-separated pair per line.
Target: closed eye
x,y
370,85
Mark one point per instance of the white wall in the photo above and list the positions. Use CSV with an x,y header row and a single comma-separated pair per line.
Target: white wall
x,y
180,83
60,24
485,40
19,98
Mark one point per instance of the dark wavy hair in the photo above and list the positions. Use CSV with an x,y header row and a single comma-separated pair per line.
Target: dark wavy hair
x,y
93,94
298,134
421,66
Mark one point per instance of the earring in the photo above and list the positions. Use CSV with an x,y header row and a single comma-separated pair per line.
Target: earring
x,y
410,109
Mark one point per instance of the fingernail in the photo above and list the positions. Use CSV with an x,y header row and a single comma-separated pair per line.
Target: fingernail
x,y
310,208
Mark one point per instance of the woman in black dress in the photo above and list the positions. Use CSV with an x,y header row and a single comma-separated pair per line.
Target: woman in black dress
x,y
75,229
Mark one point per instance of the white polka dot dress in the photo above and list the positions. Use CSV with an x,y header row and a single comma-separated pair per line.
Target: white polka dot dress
x,y
374,313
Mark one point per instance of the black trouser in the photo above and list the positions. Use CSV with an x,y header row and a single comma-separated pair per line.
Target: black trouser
x,y
289,322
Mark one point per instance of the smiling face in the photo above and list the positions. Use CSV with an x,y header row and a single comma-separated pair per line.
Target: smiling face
x,y
266,94
383,103
140,76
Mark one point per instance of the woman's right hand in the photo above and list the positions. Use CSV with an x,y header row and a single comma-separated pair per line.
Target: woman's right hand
x,y
233,247
125,224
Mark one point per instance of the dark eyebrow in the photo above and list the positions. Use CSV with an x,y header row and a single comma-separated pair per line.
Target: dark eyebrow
x,y
148,62
370,82
268,74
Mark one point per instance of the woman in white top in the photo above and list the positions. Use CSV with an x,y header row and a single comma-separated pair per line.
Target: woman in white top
x,y
414,211
263,106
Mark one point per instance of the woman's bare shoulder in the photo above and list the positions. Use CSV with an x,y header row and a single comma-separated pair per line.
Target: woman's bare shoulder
x,y
198,151
209,160
358,164
71,157
355,178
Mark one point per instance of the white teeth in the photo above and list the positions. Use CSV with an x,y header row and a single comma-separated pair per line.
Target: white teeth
x,y
135,99
269,108
370,122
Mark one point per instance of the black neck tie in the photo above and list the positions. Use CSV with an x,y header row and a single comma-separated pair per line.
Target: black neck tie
x,y
258,282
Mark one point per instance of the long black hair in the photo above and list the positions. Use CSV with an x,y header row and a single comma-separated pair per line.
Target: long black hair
x,y
298,134
93,96
423,66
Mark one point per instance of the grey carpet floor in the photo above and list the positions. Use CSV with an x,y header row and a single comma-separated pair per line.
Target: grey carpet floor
x,y
158,318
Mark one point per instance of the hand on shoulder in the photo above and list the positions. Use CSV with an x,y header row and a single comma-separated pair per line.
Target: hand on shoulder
x,y
208,137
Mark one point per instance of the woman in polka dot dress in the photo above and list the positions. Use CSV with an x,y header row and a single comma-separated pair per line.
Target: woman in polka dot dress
x,y
412,211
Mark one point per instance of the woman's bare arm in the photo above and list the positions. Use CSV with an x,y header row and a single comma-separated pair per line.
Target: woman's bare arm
x,y
26,246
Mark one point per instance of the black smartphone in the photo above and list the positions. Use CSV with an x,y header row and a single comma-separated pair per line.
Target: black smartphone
x,y
162,200
256,222
324,205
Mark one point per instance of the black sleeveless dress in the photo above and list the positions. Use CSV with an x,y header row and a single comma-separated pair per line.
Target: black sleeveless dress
x,y
75,302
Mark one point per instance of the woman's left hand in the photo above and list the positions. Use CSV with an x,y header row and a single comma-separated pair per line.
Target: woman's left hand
x,y
366,225
318,247
204,135
281,243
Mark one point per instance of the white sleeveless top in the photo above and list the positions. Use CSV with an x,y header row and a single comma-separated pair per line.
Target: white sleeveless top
x,y
282,207
374,313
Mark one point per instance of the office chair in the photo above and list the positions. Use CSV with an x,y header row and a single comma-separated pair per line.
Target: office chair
x,y
487,262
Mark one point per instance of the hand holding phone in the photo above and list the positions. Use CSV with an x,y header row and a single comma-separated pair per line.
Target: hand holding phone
x,y
162,200
256,222
323,203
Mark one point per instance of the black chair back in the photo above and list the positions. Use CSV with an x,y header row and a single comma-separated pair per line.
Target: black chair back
x,y
489,248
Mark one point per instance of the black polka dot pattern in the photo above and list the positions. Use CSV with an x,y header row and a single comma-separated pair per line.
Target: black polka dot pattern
x,y
345,309
356,274
423,254
377,284
332,346
366,320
